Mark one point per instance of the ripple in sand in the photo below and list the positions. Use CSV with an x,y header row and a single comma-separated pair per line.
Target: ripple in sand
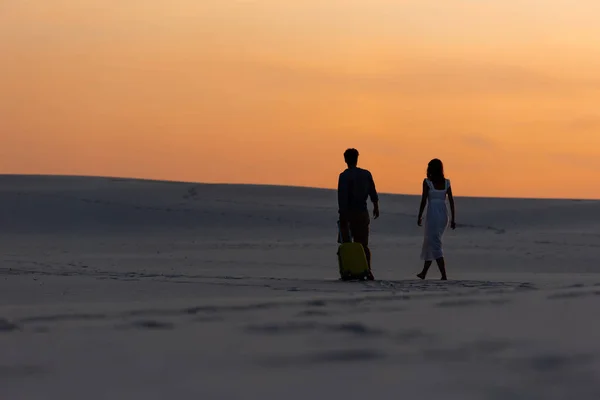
x,y
343,356
312,313
290,327
149,325
20,371
471,302
413,335
569,295
65,317
356,328
557,362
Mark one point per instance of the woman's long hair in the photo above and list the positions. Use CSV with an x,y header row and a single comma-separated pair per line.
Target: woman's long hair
x,y
435,171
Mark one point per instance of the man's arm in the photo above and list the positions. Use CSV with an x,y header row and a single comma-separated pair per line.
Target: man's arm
x,y
342,195
374,196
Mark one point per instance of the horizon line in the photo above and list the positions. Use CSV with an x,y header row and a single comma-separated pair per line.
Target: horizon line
x,y
277,185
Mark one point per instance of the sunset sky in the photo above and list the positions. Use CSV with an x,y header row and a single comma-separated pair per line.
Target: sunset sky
x,y
506,93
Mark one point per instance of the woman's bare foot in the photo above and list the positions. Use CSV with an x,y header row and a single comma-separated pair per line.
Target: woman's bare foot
x,y
421,275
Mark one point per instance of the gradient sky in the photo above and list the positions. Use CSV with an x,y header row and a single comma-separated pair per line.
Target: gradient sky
x,y
506,93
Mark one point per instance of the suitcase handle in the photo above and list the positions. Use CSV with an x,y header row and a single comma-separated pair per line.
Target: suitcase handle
x,y
340,239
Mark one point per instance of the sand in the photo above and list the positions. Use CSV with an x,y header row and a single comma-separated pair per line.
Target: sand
x,y
129,289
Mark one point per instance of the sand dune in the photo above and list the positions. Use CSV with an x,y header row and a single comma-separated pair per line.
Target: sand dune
x,y
121,288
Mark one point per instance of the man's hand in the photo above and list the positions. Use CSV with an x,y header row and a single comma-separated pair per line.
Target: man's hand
x,y
376,211
420,221
453,225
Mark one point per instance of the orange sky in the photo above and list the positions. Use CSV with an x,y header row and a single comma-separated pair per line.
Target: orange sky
x,y
273,91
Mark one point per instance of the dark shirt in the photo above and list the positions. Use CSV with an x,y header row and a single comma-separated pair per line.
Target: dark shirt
x,y
355,186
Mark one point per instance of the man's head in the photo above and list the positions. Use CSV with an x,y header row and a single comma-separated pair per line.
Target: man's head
x,y
351,157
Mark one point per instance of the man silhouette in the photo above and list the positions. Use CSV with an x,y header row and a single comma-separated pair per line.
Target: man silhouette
x,y
355,186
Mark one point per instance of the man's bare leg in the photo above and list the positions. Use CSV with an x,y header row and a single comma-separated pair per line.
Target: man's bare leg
x,y
360,231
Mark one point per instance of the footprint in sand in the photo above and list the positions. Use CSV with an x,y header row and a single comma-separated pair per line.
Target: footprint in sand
x,y
6,326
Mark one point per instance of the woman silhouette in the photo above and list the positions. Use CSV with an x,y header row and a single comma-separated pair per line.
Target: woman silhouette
x,y
435,189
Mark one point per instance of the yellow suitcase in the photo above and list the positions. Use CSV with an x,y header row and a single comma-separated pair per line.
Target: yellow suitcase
x,y
352,261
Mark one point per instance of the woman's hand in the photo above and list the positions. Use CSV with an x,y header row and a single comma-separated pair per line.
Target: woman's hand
x,y
420,221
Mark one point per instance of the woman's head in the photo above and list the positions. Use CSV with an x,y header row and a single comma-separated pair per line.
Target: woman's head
x,y
435,170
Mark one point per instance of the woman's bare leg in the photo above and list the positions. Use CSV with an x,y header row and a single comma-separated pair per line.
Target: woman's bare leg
x,y
423,273
442,266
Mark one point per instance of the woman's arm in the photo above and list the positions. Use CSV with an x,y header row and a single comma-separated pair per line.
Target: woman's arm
x,y
452,209
423,202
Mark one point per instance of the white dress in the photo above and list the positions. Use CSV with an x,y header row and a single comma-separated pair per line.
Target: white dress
x,y
436,222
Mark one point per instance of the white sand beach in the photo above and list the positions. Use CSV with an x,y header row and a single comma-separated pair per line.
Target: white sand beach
x,y
130,289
